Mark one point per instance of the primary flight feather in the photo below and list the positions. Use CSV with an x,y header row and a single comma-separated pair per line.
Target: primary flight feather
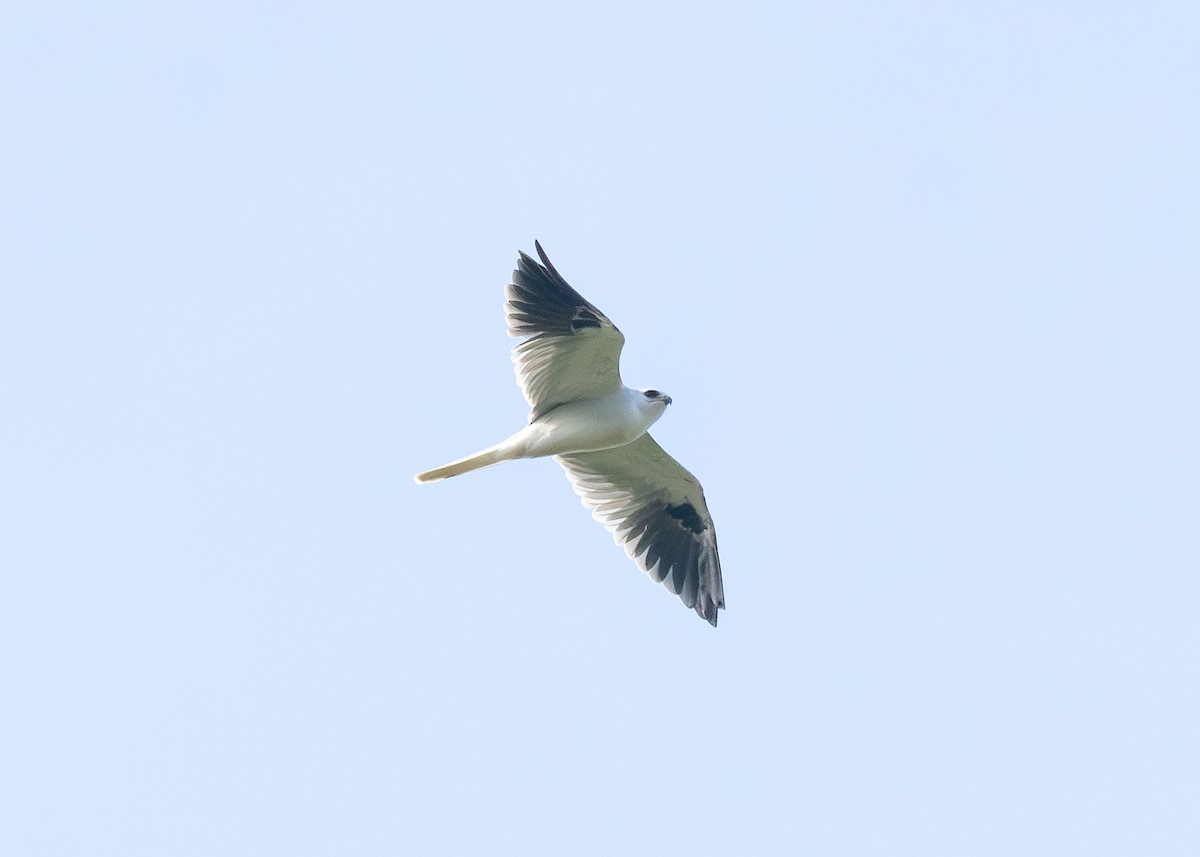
x,y
581,413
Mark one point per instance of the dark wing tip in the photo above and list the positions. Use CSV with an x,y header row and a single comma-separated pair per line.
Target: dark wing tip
x,y
548,264
540,301
706,608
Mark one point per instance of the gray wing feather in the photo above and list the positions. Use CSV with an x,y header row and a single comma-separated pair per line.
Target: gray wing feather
x,y
573,352
656,511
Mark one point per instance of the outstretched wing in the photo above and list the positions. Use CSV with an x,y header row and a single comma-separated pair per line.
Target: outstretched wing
x,y
573,352
655,509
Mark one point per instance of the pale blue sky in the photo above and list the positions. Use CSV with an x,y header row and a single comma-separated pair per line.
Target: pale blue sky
x,y
922,280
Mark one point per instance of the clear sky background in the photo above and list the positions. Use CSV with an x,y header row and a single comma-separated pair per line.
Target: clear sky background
x,y
921,278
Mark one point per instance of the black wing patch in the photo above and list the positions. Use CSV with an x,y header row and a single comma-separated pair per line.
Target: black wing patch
x,y
686,514
584,317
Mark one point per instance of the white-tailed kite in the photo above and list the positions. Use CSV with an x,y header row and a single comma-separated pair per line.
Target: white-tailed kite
x,y
596,428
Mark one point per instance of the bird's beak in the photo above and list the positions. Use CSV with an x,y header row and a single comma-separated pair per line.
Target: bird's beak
x,y
667,399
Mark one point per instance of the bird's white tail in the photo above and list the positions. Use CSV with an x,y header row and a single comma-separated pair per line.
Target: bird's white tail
x,y
491,455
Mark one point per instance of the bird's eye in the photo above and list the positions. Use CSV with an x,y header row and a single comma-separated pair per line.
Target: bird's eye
x,y
652,394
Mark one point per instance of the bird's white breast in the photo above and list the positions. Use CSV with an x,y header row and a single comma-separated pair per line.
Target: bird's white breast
x,y
592,424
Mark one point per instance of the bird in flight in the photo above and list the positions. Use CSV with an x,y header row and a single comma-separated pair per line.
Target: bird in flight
x,y
596,428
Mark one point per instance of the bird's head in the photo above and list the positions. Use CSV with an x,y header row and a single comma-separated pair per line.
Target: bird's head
x,y
657,397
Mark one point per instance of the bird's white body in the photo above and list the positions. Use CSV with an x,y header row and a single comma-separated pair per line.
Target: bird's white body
x,y
591,424
586,425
